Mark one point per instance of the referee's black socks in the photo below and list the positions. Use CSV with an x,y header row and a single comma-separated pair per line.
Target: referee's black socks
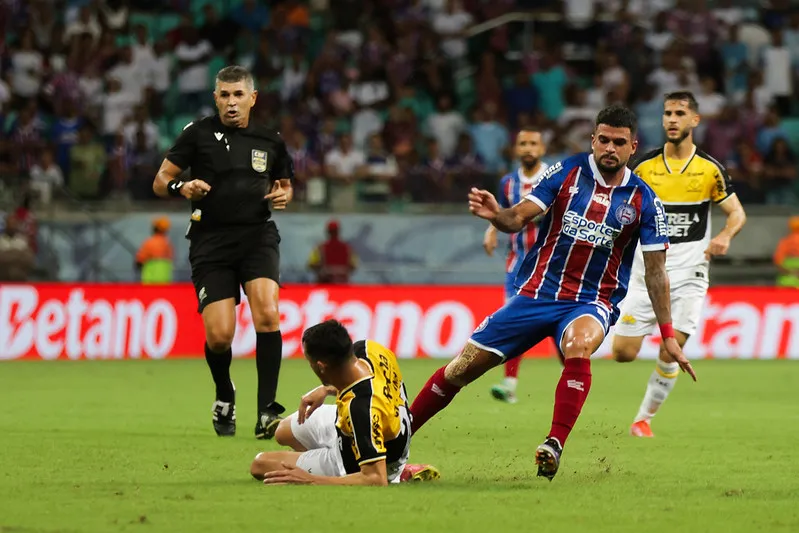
x,y
268,355
219,363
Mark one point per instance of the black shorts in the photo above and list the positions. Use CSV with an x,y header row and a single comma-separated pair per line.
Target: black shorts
x,y
224,260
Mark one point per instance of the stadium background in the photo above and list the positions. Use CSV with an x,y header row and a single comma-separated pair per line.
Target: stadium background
x,y
94,443
432,90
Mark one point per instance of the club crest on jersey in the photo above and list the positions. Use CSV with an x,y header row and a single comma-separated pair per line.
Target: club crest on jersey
x,y
626,214
259,160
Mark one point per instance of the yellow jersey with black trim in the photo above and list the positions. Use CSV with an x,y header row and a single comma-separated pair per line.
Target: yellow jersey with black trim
x,y
373,417
686,188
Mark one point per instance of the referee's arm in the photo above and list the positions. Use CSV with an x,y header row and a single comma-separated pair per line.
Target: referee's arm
x,y
166,183
179,157
284,172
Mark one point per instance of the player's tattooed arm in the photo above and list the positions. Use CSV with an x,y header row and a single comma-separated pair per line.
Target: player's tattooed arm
x,y
657,285
515,218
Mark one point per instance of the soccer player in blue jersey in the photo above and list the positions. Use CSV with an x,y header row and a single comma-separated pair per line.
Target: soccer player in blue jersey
x,y
571,282
512,188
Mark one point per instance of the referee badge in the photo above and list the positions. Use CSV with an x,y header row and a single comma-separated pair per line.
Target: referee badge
x,y
259,160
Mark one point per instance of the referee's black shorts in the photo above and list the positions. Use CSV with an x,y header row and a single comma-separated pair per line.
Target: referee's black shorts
x,y
225,259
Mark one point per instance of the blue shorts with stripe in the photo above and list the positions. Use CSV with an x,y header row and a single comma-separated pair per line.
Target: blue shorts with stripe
x,y
510,289
523,322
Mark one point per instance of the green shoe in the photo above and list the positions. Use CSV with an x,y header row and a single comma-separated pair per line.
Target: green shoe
x,y
502,393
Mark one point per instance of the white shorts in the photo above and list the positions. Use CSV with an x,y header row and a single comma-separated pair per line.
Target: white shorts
x,y
637,318
318,435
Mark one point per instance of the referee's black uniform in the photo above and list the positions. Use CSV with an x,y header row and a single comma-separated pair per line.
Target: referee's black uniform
x,y
232,237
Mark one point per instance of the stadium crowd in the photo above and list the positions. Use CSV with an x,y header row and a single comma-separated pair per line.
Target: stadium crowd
x,y
388,100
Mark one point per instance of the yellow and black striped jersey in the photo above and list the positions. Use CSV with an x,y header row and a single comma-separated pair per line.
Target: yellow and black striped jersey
x,y
686,188
373,418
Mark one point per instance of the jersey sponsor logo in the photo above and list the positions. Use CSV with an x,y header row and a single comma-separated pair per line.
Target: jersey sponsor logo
x,y
687,223
582,229
626,214
259,160
574,189
218,136
602,199
377,433
551,170
661,228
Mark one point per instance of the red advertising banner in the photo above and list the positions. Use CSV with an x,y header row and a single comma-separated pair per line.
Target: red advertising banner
x,y
61,321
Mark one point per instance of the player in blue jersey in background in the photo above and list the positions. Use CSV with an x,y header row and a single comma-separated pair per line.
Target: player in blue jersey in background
x,y
573,279
513,188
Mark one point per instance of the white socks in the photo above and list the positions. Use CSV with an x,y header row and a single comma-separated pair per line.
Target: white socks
x,y
660,384
510,384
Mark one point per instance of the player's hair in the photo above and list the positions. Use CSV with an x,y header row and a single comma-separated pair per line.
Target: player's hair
x,y
528,129
329,342
234,73
618,116
693,105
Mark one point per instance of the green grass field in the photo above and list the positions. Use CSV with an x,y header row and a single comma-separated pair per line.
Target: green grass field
x,y
128,446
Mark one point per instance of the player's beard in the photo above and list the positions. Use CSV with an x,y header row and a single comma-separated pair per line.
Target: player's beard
x,y
529,163
610,169
684,133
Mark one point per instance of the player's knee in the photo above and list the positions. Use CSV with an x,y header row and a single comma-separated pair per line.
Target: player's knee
x,y
266,317
625,349
577,346
283,434
625,354
219,337
258,467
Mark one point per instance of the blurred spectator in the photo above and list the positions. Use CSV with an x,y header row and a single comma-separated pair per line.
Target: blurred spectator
x,y
779,173
451,25
27,67
251,15
745,167
550,82
333,261
46,176
341,164
490,137
777,72
144,159
193,56
16,256
446,125
86,23
155,256
377,173
786,256
88,162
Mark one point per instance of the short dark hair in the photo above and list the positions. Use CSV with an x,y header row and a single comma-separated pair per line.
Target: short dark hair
x,y
234,73
530,129
618,116
693,105
329,342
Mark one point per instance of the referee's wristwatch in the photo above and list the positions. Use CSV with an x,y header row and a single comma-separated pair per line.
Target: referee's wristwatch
x,y
174,186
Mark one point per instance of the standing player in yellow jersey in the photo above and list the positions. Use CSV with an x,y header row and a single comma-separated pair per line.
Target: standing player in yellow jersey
x,y
365,438
687,180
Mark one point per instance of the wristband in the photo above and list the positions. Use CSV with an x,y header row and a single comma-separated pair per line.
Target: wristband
x,y
666,331
173,188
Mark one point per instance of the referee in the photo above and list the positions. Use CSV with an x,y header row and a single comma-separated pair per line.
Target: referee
x,y
237,168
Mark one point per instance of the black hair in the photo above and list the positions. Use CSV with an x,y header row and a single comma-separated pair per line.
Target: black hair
x,y
329,342
693,105
618,116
